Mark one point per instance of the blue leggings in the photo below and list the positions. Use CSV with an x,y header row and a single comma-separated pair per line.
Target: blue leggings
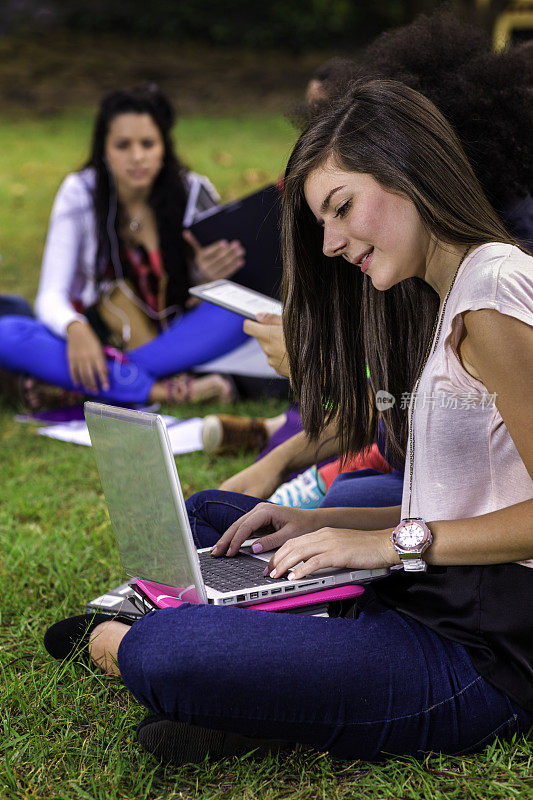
x,y
365,688
12,304
206,332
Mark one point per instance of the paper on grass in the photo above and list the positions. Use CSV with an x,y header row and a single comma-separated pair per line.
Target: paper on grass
x,y
248,360
184,434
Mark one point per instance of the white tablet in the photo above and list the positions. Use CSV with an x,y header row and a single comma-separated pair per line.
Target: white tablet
x,y
236,298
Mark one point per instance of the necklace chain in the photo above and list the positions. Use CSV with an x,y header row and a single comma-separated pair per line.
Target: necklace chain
x,y
432,345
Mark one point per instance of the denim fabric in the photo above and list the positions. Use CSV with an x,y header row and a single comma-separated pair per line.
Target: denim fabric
x,y
364,688
359,688
26,345
390,492
365,488
212,512
11,304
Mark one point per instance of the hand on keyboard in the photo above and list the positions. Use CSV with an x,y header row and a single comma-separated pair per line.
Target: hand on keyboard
x,y
284,522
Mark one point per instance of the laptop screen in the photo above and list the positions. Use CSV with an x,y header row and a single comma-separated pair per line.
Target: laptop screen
x,y
145,502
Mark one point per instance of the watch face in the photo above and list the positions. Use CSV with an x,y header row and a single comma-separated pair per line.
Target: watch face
x,y
410,535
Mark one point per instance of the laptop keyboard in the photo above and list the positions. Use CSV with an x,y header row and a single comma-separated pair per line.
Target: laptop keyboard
x,y
229,574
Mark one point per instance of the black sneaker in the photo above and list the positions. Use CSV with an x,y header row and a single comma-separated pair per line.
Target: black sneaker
x,y
178,743
71,636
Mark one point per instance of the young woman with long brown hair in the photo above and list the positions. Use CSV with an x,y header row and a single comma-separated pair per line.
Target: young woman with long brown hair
x,y
394,258
113,317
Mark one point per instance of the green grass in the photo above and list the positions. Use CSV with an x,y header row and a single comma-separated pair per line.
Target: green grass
x,y
68,731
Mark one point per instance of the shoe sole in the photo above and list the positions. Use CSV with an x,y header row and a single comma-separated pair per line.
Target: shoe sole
x,y
177,743
212,433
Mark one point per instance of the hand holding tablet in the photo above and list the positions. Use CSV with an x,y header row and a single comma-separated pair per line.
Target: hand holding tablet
x,y
268,331
237,298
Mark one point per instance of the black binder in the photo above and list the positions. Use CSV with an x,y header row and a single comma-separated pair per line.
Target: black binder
x,y
255,221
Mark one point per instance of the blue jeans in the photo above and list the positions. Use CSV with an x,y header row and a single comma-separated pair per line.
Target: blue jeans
x,y
206,332
365,488
378,685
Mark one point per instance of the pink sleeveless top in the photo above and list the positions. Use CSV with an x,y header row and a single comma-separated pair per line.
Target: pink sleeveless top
x,y
465,462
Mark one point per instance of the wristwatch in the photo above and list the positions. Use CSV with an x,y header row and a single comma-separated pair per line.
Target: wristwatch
x,y
410,539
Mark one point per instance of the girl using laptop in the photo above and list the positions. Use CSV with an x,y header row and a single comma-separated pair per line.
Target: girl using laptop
x,y
394,258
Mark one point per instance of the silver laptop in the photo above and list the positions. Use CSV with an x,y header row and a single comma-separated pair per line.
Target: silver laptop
x,y
151,525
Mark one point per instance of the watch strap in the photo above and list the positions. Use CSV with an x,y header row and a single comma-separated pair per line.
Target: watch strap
x,y
413,564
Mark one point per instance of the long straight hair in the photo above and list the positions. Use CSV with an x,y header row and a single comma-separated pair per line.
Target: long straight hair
x,y
168,196
336,324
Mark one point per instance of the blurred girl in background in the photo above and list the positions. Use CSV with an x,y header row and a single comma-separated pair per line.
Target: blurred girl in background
x,y
113,314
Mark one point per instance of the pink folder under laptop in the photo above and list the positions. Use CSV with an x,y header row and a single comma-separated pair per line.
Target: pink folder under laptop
x,y
169,597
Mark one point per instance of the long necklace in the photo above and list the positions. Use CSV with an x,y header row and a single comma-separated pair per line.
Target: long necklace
x,y
432,346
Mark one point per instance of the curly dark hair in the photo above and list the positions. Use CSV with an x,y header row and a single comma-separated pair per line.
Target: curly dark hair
x,y
330,77
168,196
486,96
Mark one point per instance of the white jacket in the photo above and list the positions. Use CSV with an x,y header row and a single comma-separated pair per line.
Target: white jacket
x,y
69,260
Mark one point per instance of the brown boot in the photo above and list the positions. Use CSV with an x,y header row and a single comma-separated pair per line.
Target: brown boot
x,y
223,433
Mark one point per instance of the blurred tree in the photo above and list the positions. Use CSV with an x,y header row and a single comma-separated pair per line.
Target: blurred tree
x,y
32,14
292,24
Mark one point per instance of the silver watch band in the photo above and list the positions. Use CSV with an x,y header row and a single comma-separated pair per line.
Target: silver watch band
x,y
413,564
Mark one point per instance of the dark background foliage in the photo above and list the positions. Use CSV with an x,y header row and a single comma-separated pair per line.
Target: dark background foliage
x,y
292,24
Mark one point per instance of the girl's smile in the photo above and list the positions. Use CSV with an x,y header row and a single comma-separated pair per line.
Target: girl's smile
x,y
377,230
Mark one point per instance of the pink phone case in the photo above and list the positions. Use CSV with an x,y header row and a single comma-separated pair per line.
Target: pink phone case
x,y
167,596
